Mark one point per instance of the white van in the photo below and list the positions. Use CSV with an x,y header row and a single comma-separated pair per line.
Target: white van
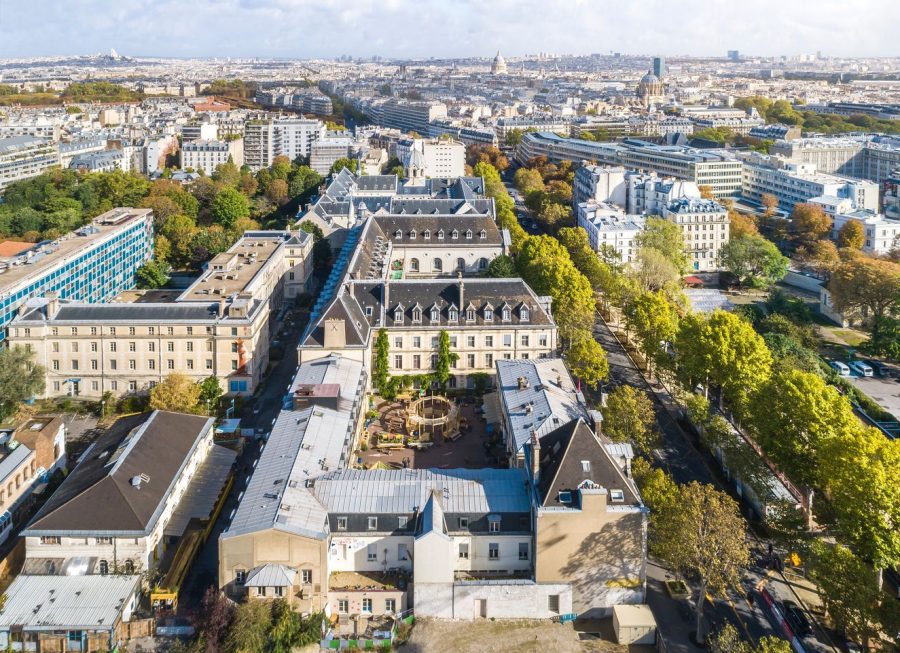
x,y
861,368
6,526
840,368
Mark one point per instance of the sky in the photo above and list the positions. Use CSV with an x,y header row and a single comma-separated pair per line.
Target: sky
x,y
447,28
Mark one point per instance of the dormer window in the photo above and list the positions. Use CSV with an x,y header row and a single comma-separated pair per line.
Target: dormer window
x,y
454,235
398,314
440,234
470,315
523,314
398,235
426,234
435,314
417,314
412,234
468,234
488,314
453,315
482,234
506,314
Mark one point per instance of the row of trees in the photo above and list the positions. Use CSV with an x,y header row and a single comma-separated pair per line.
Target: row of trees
x,y
783,112
547,188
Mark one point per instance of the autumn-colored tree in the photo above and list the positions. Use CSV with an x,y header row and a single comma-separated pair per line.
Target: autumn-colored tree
x,y
654,320
770,205
176,393
810,222
741,225
851,235
868,284
706,192
20,378
277,191
822,257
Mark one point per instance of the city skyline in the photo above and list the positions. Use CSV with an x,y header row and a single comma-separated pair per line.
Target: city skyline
x,y
394,29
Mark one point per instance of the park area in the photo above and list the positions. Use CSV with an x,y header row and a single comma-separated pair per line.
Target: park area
x,y
429,432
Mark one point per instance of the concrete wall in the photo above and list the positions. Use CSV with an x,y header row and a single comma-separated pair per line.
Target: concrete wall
x,y
599,551
502,600
802,281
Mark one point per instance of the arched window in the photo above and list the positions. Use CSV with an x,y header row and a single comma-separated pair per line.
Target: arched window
x,y
129,567
398,234
413,265
482,263
482,234
435,314
454,235
104,568
426,234
438,265
468,234
460,264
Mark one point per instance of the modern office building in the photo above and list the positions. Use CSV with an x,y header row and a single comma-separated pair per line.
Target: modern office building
x,y
91,264
717,169
208,155
22,157
795,183
411,116
325,151
659,67
222,325
863,157
290,137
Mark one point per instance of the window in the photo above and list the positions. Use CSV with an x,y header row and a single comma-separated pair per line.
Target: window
x,y
470,360
261,591
453,315
507,340
402,521
426,234
209,363
413,265
398,342
412,234
470,341
470,315
435,315
306,576
343,606
437,265
506,314
565,497
494,523
367,605
468,234
398,314
93,346
55,348
398,234
112,347
417,342
170,363
372,523
55,364
151,364
488,360
493,551
463,522
129,567
523,550
104,568
240,575
371,553
440,234
460,264
190,364
489,341
463,551
482,263
75,347
131,331
585,465
170,346
525,341
402,552
398,361
417,361
132,386
617,495
51,539
390,606
488,314
523,314
342,523
454,235
542,341
279,590
103,540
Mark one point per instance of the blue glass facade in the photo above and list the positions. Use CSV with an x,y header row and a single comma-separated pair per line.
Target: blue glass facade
x,y
96,274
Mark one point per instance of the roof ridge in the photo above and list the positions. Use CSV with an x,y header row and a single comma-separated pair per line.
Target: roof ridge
x,y
577,420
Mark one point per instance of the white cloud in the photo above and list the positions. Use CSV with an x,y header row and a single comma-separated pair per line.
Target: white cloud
x,y
443,28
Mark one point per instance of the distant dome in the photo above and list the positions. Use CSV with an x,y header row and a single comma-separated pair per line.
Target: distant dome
x,y
498,67
650,87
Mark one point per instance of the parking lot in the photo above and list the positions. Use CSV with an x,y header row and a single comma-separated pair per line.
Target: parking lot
x,y
884,390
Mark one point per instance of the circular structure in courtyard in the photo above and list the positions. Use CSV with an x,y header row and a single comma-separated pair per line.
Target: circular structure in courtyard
x,y
431,417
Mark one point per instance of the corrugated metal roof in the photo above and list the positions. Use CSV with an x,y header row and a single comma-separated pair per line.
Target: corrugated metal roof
x,y
70,602
393,491
271,575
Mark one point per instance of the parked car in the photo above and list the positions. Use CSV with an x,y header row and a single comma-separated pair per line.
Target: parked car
x,y
879,368
861,368
840,368
795,617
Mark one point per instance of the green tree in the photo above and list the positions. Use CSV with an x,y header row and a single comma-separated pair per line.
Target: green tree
x,y
210,392
152,274
321,248
850,593
654,320
753,261
728,640
666,237
20,379
554,216
701,536
885,338
653,270
175,393
286,627
303,180
381,365
628,416
445,358
868,284
852,235
722,350
528,180
227,174
501,267
281,167
587,360
228,206
344,162
179,231
249,631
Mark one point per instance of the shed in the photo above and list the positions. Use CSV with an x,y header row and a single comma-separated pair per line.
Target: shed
x,y
634,624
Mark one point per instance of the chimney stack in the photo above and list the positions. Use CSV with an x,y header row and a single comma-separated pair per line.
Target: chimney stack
x,y
221,310
52,304
535,457
462,306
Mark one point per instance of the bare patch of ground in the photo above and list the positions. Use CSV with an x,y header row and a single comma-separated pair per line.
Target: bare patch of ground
x,y
520,635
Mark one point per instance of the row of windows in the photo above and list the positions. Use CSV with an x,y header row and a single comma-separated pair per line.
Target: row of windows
x,y
494,522
437,265
426,235
507,339
434,314
151,331
113,364
132,346
390,606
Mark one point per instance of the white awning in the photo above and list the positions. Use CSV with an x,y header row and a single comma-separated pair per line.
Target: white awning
x,y
492,408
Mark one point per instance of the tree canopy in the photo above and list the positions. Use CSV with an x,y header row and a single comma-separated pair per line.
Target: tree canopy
x,y
175,393
20,379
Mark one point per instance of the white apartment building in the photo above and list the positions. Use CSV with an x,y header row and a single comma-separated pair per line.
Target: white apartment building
x,y
411,116
705,227
599,183
22,157
204,131
795,183
609,228
104,161
290,137
221,326
882,235
872,157
443,157
325,151
208,155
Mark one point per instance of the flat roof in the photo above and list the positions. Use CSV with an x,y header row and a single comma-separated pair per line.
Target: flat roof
x,y
91,602
45,256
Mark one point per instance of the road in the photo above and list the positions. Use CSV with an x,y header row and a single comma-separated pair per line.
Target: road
x,y
678,455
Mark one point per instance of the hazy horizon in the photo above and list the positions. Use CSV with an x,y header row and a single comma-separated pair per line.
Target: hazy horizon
x,y
438,28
